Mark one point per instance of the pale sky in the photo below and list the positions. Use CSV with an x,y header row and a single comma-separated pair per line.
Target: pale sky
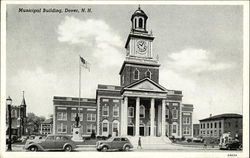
x,y
200,51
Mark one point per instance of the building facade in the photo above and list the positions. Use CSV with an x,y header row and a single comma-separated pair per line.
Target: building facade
x,y
139,106
65,110
46,127
196,130
215,126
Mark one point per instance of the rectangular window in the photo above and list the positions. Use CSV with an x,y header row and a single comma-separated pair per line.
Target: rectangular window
x,y
207,125
201,126
91,128
219,124
116,111
91,117
186,131
215,125
61,128
167,113
105,110
175,114
211,125
61,116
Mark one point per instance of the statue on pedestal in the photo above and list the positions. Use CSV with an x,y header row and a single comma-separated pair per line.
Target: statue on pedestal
x,y
77,120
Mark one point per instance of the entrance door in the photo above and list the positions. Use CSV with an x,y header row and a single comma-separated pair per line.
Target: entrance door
x,y
130,130
142,131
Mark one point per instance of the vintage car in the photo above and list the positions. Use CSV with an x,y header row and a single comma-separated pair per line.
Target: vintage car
x,y
51,142
229,143
114,143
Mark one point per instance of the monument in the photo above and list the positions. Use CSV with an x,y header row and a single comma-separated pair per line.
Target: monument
x,y
76,131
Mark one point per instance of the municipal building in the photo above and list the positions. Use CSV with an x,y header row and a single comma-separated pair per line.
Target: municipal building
x,y
139,106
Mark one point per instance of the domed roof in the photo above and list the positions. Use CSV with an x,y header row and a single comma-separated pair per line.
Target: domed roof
x,y
139,12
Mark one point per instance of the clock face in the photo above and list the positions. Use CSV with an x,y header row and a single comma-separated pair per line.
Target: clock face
x,y
142,46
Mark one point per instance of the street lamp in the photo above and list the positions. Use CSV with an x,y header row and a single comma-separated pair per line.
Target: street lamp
x,y
9,102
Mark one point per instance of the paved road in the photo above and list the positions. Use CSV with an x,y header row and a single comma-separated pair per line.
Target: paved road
x,y
169,147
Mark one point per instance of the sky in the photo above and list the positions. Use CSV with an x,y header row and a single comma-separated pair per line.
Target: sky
x,y
200,50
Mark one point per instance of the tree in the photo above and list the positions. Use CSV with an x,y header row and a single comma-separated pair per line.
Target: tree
x,y
33,123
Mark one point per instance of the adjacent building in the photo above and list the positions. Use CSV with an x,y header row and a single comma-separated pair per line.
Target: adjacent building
x,y
18,117
139,106
46,127
196,130
215,126
65,110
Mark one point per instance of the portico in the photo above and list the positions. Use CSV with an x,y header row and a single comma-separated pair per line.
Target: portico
x,y
143,109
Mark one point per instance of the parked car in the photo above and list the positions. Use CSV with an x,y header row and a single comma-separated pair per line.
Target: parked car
x,y
232,145
51,142
114,143
229,143
198,140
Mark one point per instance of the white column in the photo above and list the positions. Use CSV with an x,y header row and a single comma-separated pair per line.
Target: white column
x,y
163,120
125,114
137,117
152,117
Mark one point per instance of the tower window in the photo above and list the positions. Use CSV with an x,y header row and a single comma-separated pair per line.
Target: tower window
x,y
148,74
135,22
140,22
136,74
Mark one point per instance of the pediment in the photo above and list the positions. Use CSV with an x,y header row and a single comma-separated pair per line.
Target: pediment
x,y
146,85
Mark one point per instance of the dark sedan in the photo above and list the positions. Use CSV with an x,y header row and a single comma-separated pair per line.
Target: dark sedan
x,y
52,142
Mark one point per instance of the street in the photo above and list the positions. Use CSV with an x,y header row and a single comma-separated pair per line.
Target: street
x,y
172,148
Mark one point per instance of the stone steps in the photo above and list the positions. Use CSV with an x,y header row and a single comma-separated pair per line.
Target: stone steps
x,y
149,140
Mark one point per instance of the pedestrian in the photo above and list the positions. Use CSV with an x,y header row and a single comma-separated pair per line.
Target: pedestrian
x,y
139,143
205,144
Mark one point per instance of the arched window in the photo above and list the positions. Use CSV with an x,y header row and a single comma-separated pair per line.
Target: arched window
x,y
140,22
115,127
135,23
142,111
136,74
131,112
148,74
105,127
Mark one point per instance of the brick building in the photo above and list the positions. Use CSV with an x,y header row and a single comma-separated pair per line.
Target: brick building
x,y
139,106
46,127
65,109
196,130
214,126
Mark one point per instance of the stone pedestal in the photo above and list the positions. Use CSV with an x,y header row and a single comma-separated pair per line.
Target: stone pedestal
x,y
77,137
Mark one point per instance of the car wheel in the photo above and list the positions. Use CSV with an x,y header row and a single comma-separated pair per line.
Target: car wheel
x,y
127,148
104,149
68,148
33,148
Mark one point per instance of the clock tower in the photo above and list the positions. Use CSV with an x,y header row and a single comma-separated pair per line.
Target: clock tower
x,y
140,61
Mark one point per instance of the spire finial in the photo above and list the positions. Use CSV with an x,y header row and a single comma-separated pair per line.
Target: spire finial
x,y
139,7
23,94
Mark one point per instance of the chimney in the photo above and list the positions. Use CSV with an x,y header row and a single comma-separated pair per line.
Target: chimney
x,y
210,115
